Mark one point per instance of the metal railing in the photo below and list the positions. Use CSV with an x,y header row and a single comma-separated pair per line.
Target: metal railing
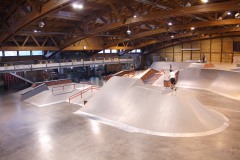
x,y
62,88
82,92
45,64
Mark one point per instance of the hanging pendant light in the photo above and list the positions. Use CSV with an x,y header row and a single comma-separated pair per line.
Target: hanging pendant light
x,y
128,31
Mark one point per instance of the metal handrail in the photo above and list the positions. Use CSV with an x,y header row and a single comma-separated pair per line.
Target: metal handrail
x,y
82,92
63,87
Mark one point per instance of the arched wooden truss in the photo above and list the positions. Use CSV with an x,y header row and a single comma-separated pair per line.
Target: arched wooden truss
x,y
103,24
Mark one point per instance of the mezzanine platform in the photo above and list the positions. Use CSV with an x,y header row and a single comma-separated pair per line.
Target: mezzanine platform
x,y
50,64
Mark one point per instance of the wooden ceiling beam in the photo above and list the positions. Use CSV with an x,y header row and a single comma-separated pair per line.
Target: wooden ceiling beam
x,y
223,15
115,12
175,28
35,41
27,48
193,39
222,6
12,9
160,6
200,33
47,8
14,40
36,5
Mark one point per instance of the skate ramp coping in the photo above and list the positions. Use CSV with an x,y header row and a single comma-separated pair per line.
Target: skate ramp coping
x,y
132,107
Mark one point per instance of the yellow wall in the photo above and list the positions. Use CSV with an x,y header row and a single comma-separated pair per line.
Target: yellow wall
x,y
215,50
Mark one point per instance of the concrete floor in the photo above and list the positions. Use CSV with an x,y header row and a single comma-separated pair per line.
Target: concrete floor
x,y
28,132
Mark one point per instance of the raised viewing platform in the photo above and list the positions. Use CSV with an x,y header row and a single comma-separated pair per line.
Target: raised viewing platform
x,y
53,64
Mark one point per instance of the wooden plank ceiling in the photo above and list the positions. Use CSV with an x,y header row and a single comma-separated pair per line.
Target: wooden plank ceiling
x,y
100,24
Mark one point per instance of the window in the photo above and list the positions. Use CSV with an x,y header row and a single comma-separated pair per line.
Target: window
x,y
107,51
138,50
24,53
10,53
35,53
114,51
1,53
101,51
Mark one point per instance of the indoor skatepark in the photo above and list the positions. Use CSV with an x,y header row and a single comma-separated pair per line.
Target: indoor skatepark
x,y
204,115
162,111
89,80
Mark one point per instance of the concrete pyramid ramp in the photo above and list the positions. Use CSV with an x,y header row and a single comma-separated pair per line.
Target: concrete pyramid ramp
x,y
125,103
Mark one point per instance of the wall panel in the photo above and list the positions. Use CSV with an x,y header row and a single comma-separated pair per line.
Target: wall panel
x,y
196,55
221,50
215,57
186,55
169,49
177,56
178,48
196,44
227,45
216,45
205,45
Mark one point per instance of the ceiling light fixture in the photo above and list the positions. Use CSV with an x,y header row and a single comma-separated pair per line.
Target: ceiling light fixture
x,y
41,24
35,31
170,23
204,1
128,31
135,16
237,15
77,6
228,13
192,28
172,36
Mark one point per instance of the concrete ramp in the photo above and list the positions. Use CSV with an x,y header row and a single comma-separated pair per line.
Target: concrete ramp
x,y
126,104
219,81
166,65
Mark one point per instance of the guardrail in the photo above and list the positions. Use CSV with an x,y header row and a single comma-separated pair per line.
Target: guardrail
x,y
51,64
63,87
82,92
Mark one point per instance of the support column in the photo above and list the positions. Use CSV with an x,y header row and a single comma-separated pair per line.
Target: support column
x,y
221,50
210,60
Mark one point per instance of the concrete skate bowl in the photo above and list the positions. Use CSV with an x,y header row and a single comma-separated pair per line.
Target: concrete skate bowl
x,y
223,82
126,104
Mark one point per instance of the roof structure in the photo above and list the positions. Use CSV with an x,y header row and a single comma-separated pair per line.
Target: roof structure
x,y
53,25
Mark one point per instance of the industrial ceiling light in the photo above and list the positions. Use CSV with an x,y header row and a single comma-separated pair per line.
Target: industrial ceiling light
x,y
204,1
128,31
41,24
237,15
170,23
135,16
228,13
35,31
77,6
192,28
172,36
84,47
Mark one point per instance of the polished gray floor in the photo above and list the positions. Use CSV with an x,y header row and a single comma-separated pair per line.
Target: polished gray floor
x,y
28,132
